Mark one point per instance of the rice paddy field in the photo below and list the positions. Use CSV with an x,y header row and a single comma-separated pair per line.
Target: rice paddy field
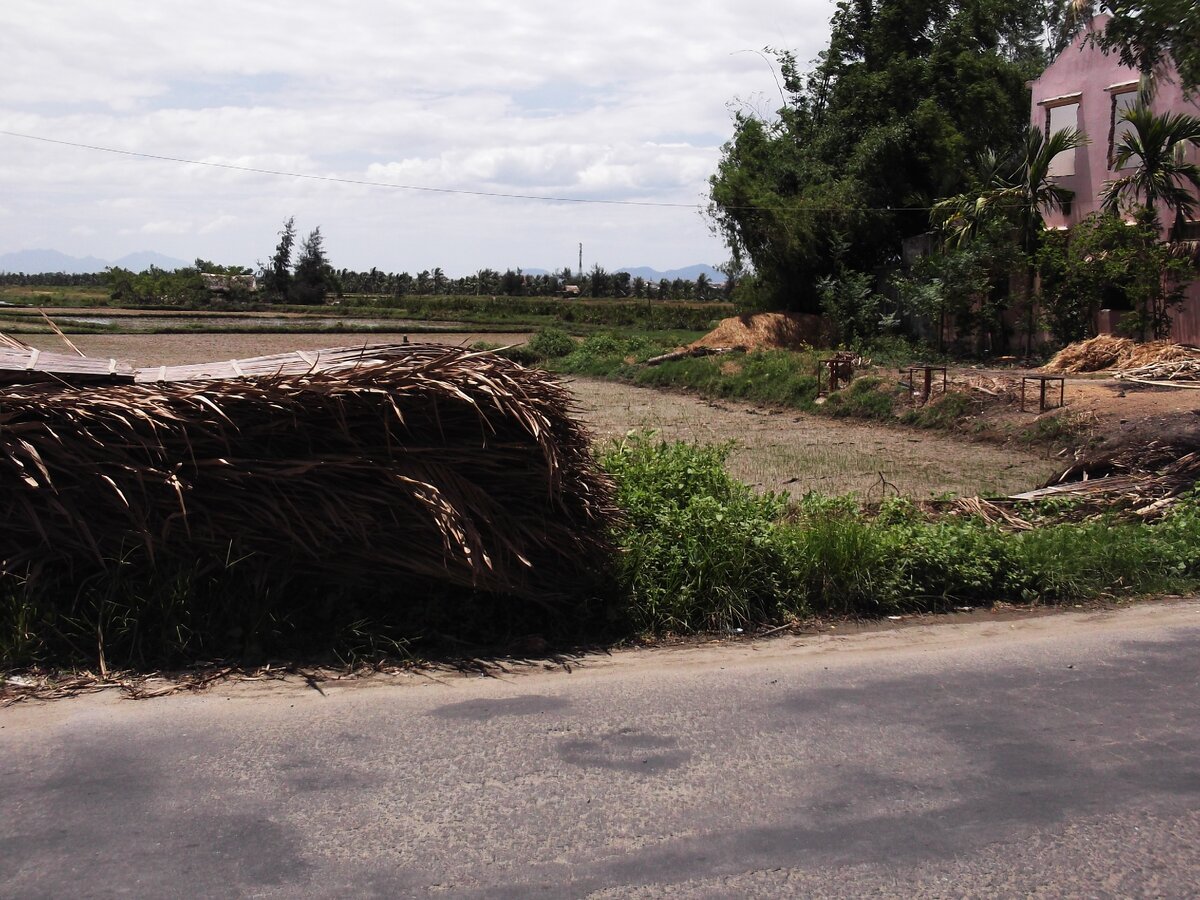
x,y
776,450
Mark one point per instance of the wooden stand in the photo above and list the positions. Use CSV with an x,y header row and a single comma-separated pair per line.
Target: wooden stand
x,y
1042,381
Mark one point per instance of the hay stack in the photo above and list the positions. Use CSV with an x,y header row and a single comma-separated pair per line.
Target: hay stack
x,y
1106,351
768,331
418,462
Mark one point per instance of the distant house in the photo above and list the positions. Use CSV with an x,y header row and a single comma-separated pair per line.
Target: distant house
x,y
1086,89
224,284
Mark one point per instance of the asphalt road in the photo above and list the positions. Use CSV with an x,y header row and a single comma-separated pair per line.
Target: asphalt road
x,y
1056,756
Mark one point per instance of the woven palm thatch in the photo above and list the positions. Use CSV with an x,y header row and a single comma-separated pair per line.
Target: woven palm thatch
x,y
412,461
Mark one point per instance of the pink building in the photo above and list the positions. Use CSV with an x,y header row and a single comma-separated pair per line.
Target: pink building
x,y
1085,89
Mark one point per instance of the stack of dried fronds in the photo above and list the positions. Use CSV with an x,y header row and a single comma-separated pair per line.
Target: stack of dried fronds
x,y
1101,352
1142,476
416,462
1105,351
1180,369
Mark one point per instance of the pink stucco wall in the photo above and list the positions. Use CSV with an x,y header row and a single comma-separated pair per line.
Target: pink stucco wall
x,y
1085,70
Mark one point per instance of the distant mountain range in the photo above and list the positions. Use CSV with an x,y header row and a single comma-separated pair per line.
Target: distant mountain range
x,y
34,262
689,273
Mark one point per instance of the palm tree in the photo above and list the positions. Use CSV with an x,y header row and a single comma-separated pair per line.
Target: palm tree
x,y
1017,189
1157,143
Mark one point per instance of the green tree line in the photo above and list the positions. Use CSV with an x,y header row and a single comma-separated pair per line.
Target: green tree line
x,y
908,139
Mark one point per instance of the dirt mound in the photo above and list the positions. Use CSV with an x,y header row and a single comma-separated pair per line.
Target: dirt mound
x,y
768,331
1106,351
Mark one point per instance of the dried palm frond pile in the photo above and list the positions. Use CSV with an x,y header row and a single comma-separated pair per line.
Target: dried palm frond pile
x,y
1106,351
1181,371
1142,476
429,464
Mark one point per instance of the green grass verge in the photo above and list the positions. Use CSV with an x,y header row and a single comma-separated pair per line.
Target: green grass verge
x,y
704,552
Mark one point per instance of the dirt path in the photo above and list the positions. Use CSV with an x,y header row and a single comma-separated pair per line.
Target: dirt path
x,y
798,453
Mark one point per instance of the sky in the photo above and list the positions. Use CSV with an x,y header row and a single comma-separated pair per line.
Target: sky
x,y
609,100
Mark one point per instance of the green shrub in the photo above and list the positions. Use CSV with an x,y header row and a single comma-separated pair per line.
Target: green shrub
x,y
551,343
699,550
942,412
867,397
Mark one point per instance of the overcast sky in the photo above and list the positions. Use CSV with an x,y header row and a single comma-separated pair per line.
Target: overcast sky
x,y
613,100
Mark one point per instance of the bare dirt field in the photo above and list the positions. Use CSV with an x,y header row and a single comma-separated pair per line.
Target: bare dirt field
x,y
786,450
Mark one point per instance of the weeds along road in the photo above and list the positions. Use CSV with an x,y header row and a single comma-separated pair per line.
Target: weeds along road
x,y
1056,755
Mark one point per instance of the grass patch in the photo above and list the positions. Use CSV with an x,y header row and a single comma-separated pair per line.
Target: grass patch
x,y
944,412
703,553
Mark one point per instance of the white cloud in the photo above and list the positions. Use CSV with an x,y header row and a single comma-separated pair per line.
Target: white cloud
x,y
612,100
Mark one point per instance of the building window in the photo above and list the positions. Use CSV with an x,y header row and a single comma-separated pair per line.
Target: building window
x,y
1062,113
1118,127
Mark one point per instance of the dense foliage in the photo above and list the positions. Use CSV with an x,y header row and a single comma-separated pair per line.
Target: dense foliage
x,y
1106,263
1148,33
906,95
704,552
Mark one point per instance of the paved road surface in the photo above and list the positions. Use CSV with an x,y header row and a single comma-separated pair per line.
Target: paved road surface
x,y
1057,756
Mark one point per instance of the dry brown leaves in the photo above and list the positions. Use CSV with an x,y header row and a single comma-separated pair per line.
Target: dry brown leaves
x,y
1107,351
419,461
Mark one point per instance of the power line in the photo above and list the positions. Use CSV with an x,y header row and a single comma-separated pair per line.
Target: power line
x,y
435,190
337,180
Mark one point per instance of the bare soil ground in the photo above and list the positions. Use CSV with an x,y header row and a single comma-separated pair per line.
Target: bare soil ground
x,y
1099,406
787,450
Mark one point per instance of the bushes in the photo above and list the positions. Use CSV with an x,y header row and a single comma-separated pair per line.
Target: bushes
x,y
702,551
699,550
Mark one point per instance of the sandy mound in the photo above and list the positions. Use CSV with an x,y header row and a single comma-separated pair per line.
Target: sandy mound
x,y
1106,351
768,331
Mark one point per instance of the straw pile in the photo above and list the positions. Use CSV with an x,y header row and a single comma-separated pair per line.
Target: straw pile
x,y
1105,351
768,331
416,462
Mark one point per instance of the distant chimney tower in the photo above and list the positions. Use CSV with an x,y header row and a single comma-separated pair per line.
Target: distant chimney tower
x,y
581,259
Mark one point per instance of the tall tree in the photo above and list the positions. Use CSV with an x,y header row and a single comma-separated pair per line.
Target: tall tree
x,y
906,93
277,276
313,277
1147,33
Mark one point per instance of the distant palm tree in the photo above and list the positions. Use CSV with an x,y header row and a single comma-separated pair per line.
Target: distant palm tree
x,y
1157,143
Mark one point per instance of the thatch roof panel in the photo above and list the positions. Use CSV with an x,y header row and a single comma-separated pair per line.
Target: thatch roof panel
x,y
419,461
